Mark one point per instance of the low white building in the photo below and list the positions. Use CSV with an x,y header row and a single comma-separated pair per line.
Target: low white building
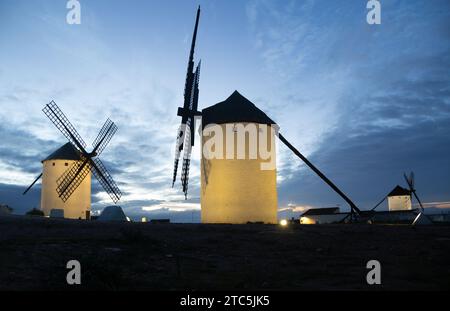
x,y
316,216
399,199
113,213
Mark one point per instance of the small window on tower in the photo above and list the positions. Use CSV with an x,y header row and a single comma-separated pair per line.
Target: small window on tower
x,y
53,163
66,164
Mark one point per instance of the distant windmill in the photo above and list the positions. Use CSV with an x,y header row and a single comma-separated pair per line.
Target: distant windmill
x,y
82,164
232,191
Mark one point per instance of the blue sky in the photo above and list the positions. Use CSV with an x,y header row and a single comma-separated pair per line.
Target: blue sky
x,y
365,103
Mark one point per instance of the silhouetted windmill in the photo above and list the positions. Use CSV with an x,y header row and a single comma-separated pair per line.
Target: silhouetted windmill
x,y
88,161
185,136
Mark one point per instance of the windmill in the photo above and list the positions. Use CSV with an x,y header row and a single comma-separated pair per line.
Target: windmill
x,y
235,109
185,135
84,162
231,188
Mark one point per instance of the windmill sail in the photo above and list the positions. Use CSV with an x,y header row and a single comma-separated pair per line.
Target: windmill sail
x,y
74,176
185,135
189,136
104,137
105,179
63,124
186,163
410,181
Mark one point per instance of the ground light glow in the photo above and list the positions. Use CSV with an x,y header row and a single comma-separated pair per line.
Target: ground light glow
x,y
283,222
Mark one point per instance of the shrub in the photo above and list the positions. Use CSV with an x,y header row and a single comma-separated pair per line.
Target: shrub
x,y
35,212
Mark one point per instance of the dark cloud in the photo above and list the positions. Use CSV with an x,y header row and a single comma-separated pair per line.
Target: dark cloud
x,y
22,149
12,195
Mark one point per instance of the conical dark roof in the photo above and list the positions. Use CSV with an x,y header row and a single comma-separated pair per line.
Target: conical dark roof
x,y
235,108
399,191
66,152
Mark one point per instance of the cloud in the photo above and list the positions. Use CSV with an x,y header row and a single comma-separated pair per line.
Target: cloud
x,y
364,103
402,127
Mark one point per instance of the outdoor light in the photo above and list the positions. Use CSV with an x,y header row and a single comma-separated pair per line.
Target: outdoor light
x,y
283,222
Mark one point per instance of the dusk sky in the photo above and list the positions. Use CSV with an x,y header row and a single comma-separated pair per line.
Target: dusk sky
x,y
365,103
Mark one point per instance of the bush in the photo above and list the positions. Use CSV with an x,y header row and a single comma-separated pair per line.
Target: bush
x,y
5,209
35,212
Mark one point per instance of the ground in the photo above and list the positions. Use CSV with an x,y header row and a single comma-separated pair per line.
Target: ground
x,y
144,256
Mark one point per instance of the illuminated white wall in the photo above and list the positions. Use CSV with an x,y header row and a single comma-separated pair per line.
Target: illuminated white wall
x,y
399,203
238,191
322,219
80,201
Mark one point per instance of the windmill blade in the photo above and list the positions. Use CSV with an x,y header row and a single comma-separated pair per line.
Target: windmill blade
x,y
63,124
418,200
185,172
178,149
195,90
190,124
187,113
72,178
104,137
194,101
408,181
189,138
105,179
175,169
190,78
32,184
186,159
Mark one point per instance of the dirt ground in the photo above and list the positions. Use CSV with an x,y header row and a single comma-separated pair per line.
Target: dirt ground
x,y
144,256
